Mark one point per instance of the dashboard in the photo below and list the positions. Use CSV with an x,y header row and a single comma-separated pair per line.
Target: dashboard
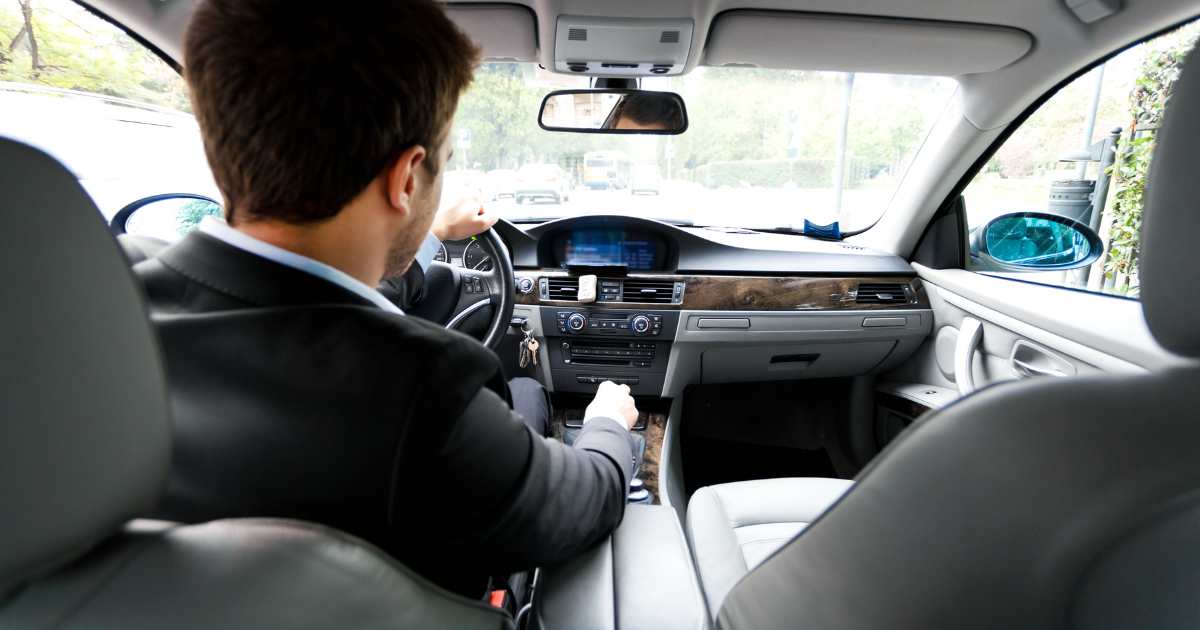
x,y
600,247
659,306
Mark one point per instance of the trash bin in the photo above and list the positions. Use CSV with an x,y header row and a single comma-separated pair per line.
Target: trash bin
x,y
1072,198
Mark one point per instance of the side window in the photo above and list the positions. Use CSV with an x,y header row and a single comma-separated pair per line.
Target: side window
x,y
114,113
1084,154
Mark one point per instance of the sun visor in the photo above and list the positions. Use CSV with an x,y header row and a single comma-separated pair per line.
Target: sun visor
x,y
785,39
505,32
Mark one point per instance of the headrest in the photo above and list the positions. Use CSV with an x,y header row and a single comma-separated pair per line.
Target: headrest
x,y
84,430
1170,259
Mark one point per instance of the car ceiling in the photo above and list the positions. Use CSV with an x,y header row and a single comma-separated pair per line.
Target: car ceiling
x,y
1062,43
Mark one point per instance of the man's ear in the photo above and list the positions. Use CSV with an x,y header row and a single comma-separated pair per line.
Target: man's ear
x,y
401,178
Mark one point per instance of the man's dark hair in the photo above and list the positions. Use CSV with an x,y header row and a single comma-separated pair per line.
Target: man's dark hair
x,y
302,104
649,108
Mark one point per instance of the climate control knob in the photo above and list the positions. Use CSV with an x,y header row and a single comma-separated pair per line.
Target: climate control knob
x,y
576,322
640,324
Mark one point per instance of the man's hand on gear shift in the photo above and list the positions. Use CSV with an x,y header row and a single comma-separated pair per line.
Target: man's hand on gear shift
x,y
463,219
613,401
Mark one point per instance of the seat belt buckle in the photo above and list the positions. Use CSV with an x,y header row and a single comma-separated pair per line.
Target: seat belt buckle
x,y
498,599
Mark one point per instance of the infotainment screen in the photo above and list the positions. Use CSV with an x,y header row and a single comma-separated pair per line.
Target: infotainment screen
x,y
599,246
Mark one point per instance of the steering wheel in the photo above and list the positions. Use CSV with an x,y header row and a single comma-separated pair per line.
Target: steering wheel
x,y
461,298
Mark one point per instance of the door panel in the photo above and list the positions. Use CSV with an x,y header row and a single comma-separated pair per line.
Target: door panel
x,y
1028,331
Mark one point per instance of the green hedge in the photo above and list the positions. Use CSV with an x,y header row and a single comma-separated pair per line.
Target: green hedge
x,y
803,173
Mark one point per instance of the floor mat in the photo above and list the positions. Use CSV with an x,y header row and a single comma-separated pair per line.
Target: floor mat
x,y
709,462
737,432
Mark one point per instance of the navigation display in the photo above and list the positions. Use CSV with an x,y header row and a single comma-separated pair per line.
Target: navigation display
x,y
598,246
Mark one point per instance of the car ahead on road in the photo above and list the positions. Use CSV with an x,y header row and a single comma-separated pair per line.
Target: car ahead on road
x,y
545,182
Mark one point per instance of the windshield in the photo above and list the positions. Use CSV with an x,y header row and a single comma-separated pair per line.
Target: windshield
x,y
763,148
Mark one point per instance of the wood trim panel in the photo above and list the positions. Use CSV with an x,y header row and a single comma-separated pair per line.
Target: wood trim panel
x,y
751,293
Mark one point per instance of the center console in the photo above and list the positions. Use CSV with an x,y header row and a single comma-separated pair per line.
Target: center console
x,y
640,577
589,345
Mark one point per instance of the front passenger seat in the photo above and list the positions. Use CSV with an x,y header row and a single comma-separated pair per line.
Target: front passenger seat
x,y
733,527
1060,503
84,447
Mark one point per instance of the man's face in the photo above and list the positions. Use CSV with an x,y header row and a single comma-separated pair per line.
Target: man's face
x,y
625,122
427,196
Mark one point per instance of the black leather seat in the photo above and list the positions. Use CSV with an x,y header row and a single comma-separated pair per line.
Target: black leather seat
x,y
84,444
139,248
1062,503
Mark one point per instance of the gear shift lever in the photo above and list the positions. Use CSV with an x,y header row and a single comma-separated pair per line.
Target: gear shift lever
x,y
637,488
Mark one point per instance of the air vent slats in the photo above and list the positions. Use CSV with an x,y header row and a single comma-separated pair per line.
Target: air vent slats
x,y
577,34
648,291
563,289
669,37
615,290
881,293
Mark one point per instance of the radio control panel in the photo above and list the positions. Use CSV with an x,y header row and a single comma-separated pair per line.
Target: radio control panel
x,y
590,345
617,353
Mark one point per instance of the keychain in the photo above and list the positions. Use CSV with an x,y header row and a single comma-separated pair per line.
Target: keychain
x,y
528,349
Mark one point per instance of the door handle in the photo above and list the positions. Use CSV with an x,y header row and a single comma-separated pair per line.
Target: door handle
x,y
1029,360
1026,369
970,333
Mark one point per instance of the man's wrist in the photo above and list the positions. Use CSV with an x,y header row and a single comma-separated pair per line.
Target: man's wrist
x,y
428,251
437,230
608,414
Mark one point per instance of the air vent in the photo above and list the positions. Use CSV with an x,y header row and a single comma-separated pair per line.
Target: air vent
x,y
650,291
579,34
669,37
563,289
881,293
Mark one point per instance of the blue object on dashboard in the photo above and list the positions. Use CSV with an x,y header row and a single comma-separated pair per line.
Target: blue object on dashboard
x,y
831,231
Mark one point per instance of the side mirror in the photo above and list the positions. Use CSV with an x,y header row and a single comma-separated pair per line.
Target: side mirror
x,y
167,217
614,111
1034,241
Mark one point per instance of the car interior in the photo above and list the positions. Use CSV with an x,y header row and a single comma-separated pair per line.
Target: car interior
x,y
955,387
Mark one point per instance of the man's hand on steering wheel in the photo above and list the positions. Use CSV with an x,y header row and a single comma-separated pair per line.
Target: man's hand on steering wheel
x,y
453,296
463,219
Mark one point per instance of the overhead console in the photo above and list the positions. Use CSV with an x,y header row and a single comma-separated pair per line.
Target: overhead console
x,y
609,46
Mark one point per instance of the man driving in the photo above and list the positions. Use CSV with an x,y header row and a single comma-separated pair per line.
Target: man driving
x,y
297,389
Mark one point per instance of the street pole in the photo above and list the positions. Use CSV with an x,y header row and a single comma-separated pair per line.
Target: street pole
x,y
839,166
1089,127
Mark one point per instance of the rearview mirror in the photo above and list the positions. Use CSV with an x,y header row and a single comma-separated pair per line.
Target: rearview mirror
x,y
614,111
1035,241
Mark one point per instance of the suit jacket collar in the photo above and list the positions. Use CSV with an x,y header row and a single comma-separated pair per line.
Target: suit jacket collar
x,y
251,278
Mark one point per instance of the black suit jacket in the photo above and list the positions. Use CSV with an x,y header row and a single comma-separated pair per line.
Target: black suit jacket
x,y
293,397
